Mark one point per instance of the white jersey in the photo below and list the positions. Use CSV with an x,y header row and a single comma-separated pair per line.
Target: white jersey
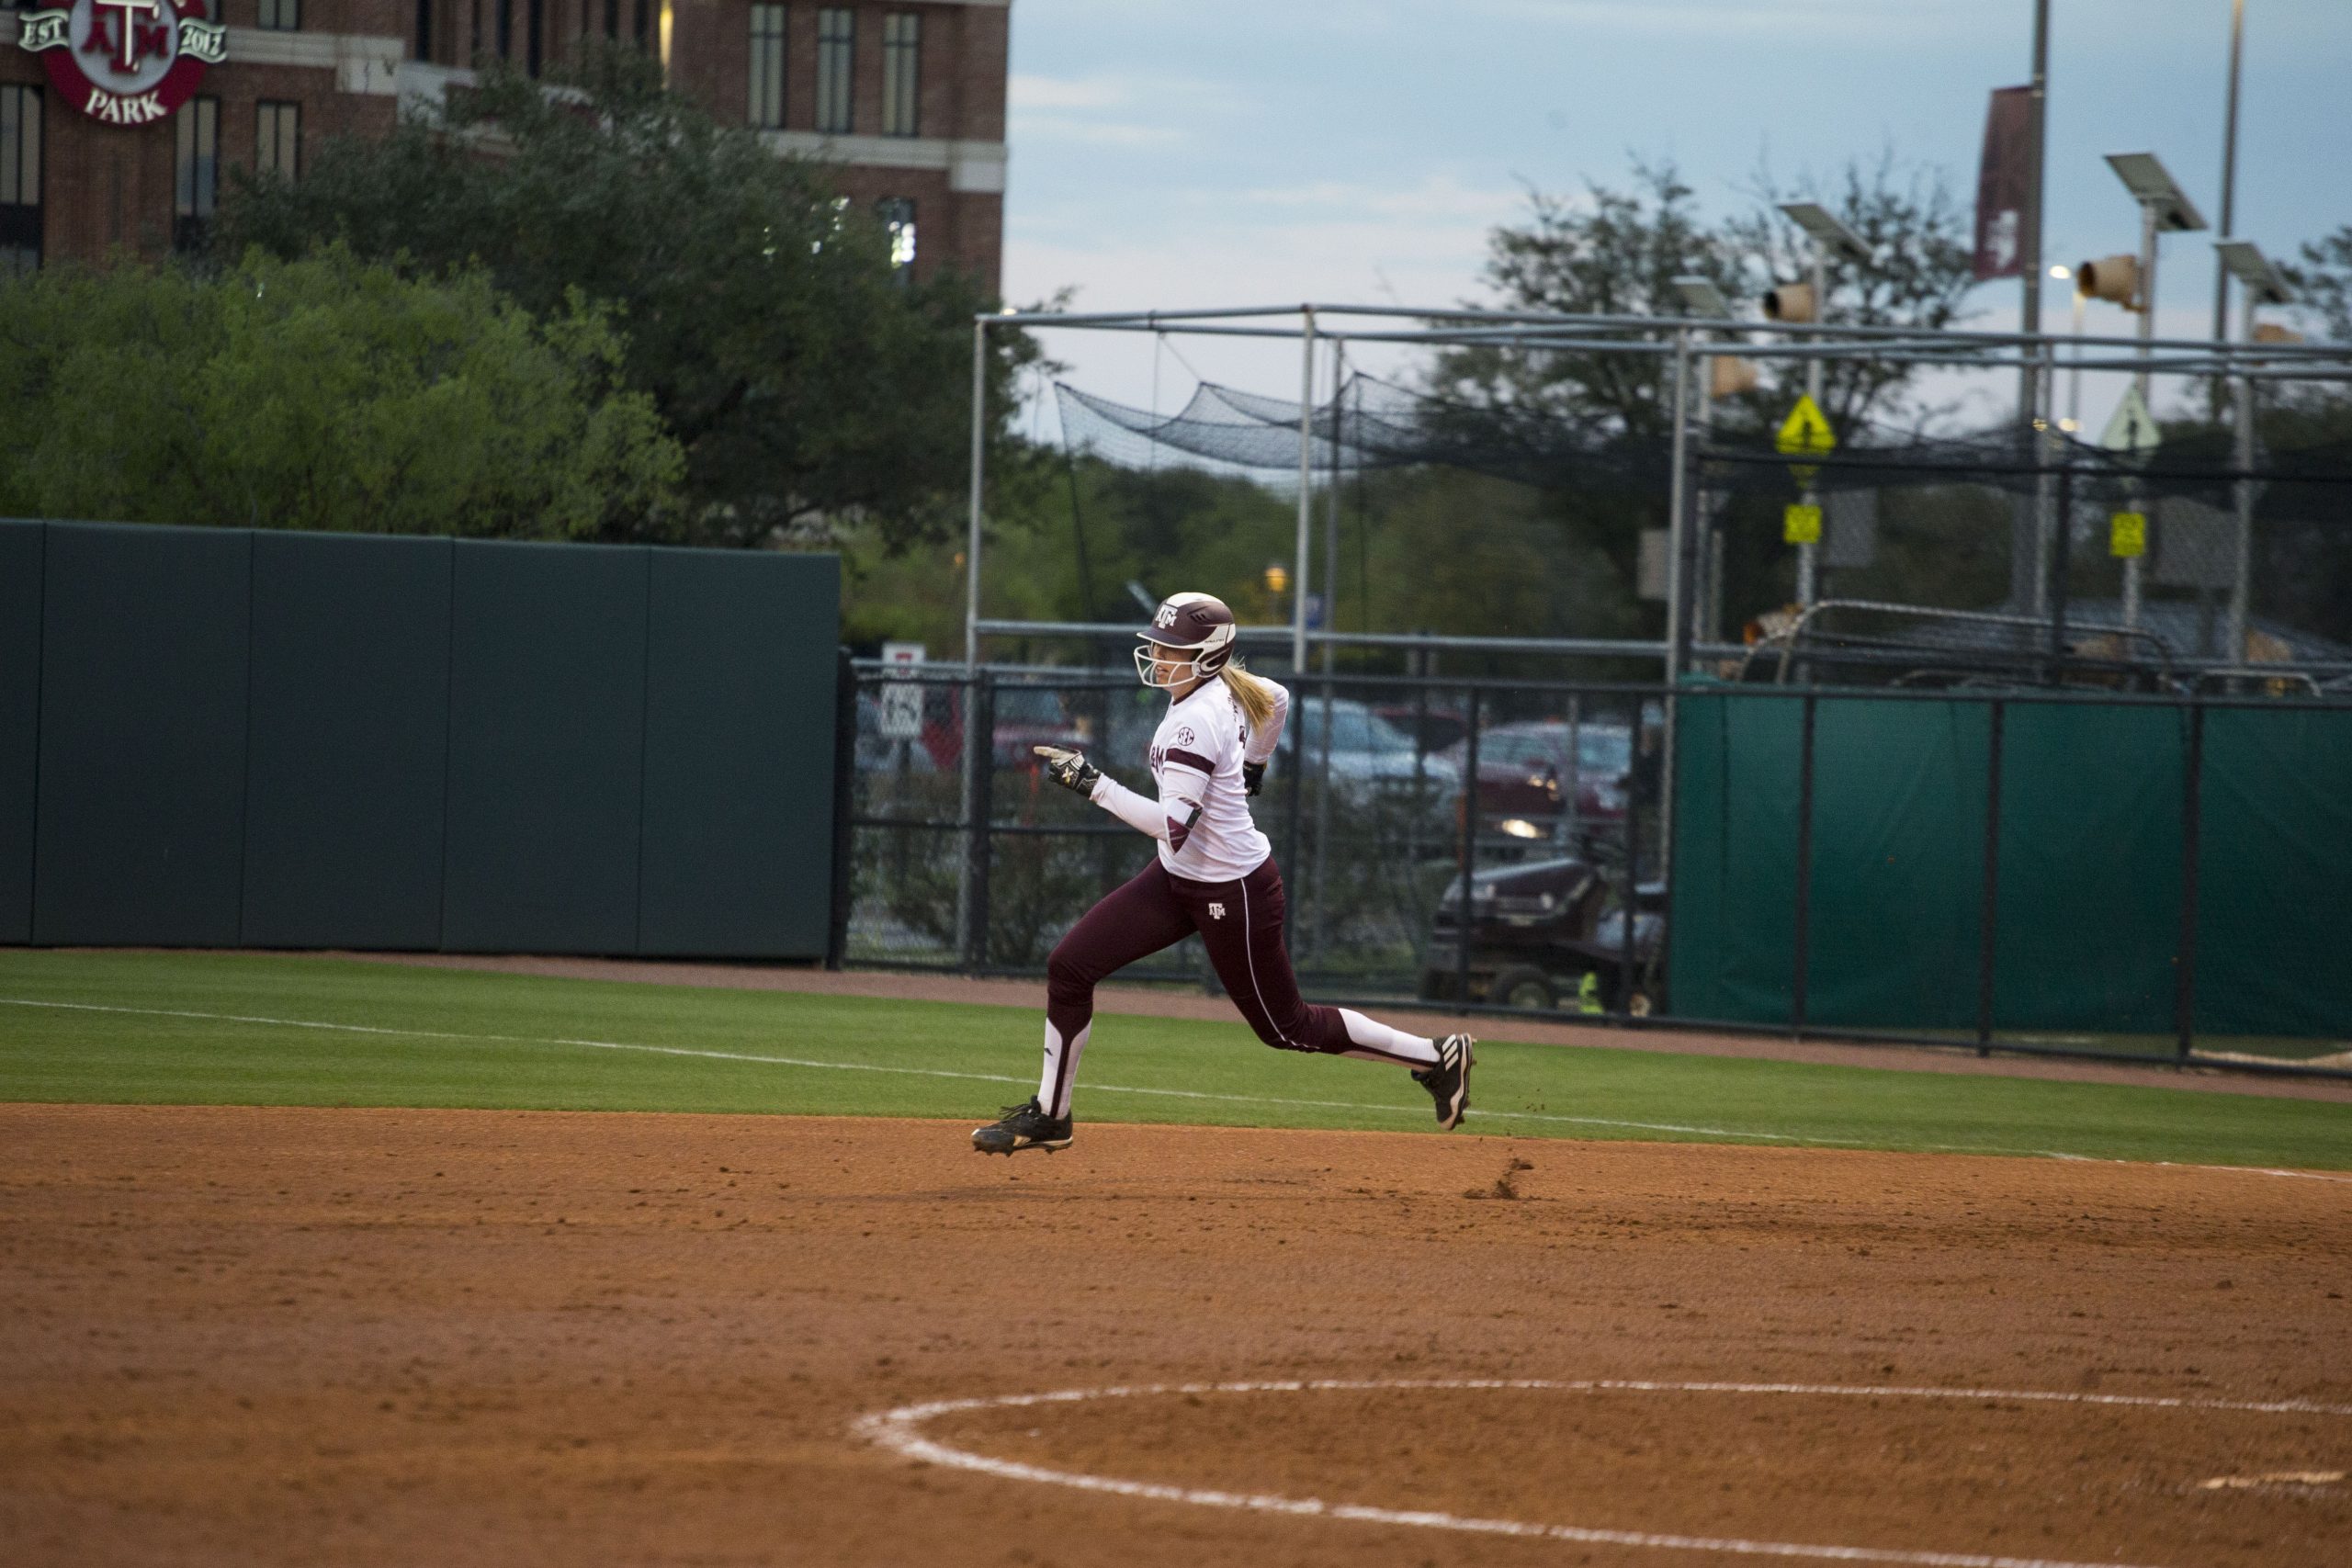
x,y
1202,817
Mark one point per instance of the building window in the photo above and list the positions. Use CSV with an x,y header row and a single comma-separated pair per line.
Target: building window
x,y
901,55
282,16
278,139
836,53
197,167
767,65
19,179
898,215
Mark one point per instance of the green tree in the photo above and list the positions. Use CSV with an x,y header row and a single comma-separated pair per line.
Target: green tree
x,y
320,394
1617,251
812,388
2321,279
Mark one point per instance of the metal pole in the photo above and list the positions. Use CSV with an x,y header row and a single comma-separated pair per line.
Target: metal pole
x,y
972,735
1988,916
1681,558
1809,556
1627,966
980,476
1803,932
2075,380
1318,928
1306,491
2229,186
1677,521
1464,917
1707,591
2045,500
2242,580
2029,311
2191,811
2142,379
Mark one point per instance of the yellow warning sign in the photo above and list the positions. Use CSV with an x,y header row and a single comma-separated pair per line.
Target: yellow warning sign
x,y
1801,525
1804,431
2127,534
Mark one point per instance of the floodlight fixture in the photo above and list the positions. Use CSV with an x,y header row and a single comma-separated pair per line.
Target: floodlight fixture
x,y
1702,298
1832,237
2150,186
2253,270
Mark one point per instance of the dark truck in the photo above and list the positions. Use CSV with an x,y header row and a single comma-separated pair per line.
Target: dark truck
x,y
1538,930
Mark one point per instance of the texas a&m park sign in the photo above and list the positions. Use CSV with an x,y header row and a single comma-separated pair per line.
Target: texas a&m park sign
x,y
125,61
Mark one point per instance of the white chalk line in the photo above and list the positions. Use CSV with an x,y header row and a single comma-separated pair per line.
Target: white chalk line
x,y
1739,1135
897,1430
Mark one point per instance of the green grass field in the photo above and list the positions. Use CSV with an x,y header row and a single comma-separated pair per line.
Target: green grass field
x,y
214,1029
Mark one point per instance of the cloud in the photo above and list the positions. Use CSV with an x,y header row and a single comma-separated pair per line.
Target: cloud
x,y
1026,93
1112,109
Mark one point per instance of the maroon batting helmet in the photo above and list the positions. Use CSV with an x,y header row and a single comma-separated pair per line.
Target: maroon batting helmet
x,y
1198,624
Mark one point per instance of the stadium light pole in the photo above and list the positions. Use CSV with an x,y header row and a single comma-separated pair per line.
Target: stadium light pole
x,y
1827,235
2229,184
2262,285
2030,393
2164,209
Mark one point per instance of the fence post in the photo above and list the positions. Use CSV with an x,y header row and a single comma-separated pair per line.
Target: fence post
x,y
844,804
1989,910
1802,934
2185,960
2062,537
1466,864
1633,897
980,764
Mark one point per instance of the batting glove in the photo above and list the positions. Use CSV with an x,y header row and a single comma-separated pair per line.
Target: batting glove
x,y
1071,769
1254,777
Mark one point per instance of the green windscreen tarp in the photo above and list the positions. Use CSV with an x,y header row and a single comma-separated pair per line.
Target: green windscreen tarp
x,y
2092,841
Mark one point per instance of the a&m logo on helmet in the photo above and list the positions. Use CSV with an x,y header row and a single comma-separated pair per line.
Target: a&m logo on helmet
x,y
125,61
1166,616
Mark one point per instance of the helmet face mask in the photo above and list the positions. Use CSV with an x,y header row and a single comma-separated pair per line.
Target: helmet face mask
x,y
1190,639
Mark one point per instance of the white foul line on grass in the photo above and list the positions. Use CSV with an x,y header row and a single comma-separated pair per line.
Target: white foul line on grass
x,y
897,1430
1735,1133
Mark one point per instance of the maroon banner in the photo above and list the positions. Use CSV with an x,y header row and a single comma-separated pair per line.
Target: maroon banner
x,y
2005,183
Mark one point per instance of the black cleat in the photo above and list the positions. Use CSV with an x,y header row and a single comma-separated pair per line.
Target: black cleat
x,y
1024,1126
1449,1081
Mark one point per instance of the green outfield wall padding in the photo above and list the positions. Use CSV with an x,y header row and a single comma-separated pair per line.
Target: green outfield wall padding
x,y
547,749
2274,929
738,754
2088,909
215,738
142,739
21,599
1731,955
1898,843
349,749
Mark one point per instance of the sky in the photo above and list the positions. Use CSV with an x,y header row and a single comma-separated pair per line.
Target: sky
x,y
1184,153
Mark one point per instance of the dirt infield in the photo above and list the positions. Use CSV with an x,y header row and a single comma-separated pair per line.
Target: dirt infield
x,y
245,1335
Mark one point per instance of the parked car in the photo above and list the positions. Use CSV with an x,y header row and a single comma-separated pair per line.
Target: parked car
x,y
1526,771
1367,752
1436,728
1537,929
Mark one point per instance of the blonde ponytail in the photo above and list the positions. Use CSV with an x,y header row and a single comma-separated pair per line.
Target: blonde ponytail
x,y
1255,694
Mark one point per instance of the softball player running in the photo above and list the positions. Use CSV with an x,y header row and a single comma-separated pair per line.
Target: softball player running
x,y
1214,874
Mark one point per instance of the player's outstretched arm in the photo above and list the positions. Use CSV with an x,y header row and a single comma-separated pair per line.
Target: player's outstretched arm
x,y
1072,771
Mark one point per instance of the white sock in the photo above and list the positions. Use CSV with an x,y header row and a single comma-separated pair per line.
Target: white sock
x,y
1381,1043
1055,1085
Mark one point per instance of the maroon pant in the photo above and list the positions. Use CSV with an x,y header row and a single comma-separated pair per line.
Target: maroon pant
x,y
1241,922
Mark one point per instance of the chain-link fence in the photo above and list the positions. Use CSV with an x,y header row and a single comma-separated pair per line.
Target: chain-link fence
x,y
2013,868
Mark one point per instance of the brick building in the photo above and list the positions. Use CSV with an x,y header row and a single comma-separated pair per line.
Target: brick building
x,y
123,145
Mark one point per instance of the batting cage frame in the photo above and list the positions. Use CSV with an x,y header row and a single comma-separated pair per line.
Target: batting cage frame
x,y
1731,882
